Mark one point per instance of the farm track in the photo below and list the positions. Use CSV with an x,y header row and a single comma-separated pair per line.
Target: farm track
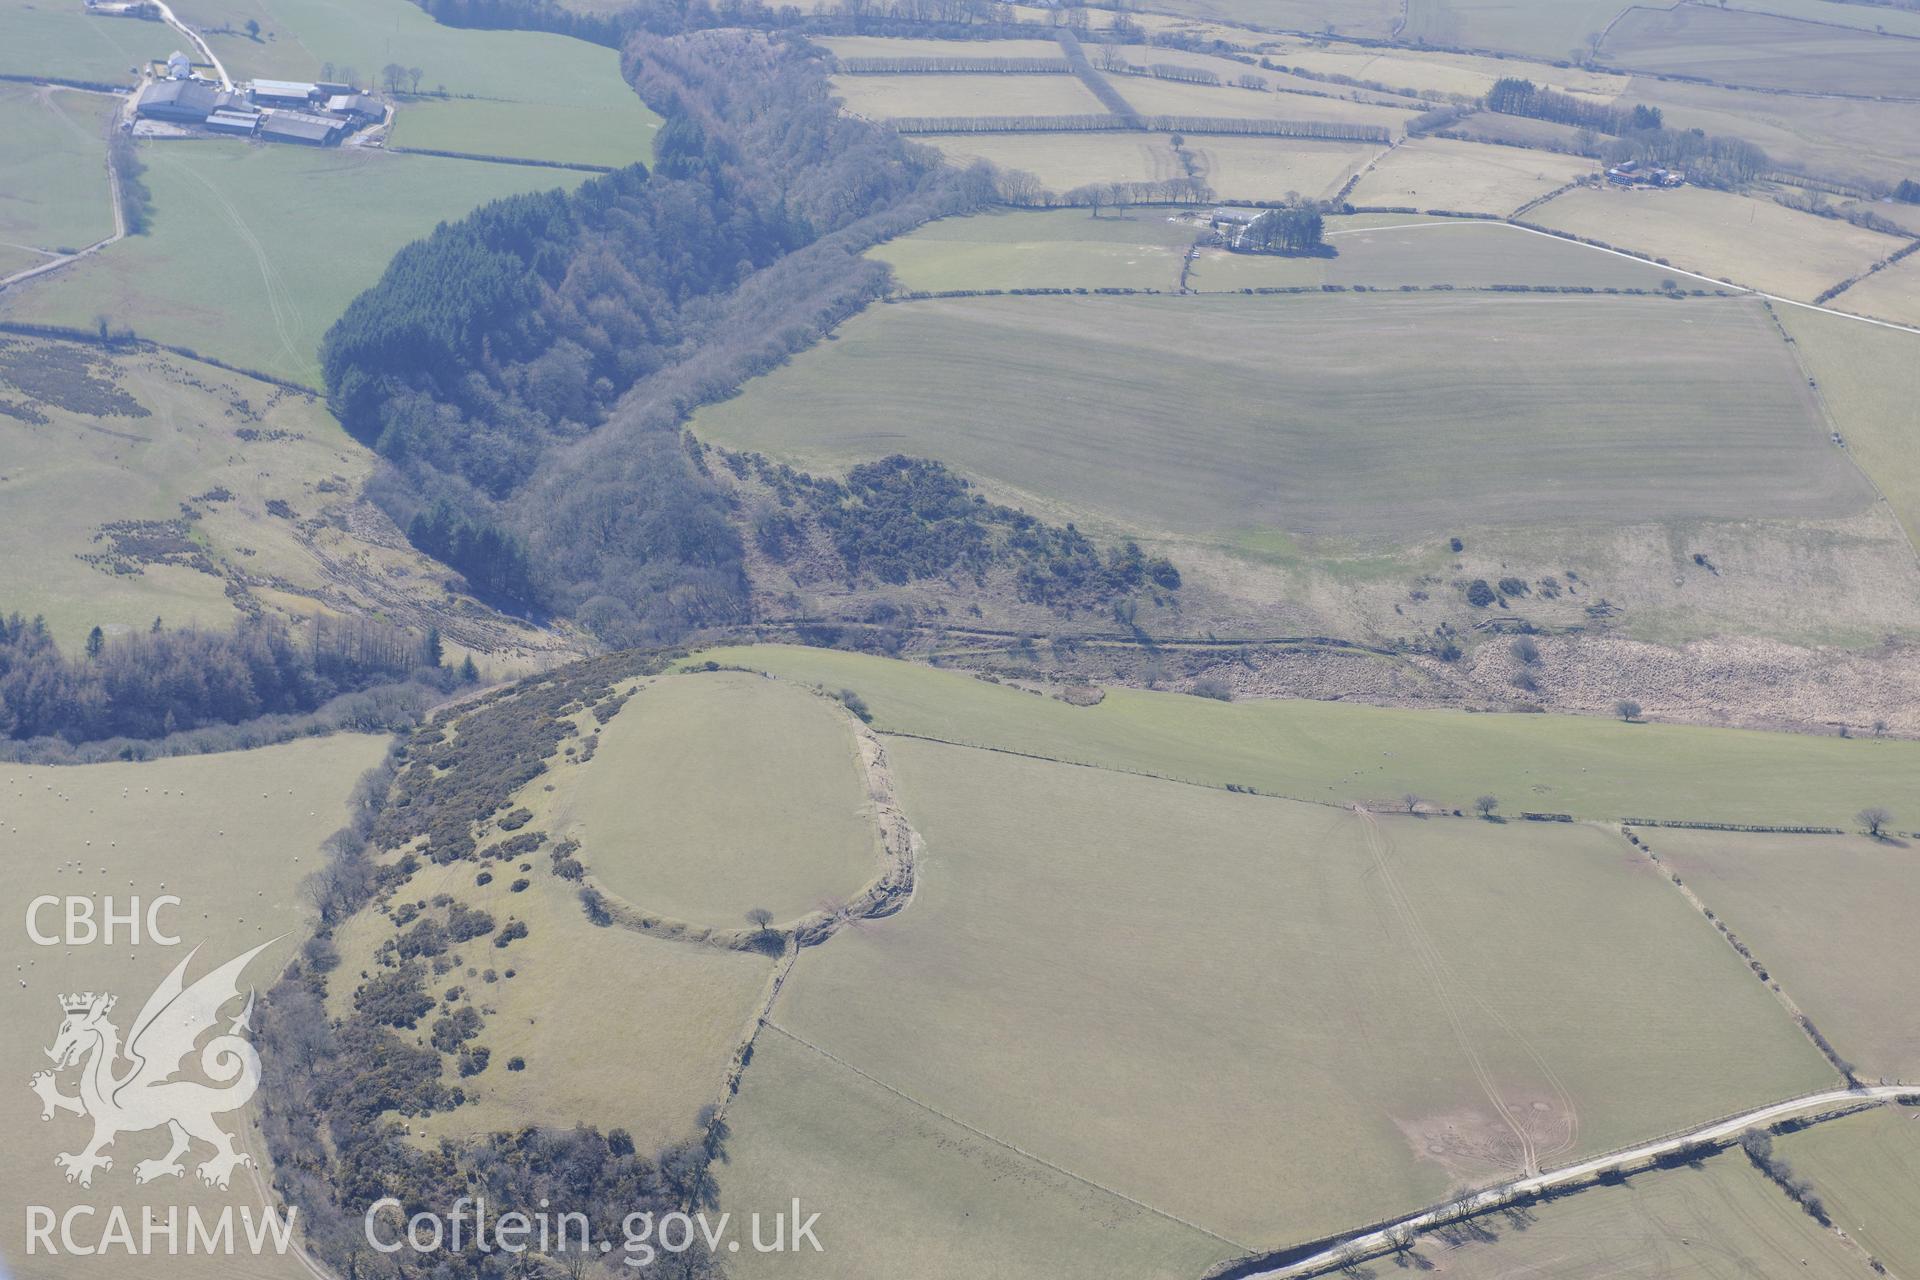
x,y
59,260
1451,993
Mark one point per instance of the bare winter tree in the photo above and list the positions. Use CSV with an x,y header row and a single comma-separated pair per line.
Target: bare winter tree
x,y
1485,805
1875,819
1627,709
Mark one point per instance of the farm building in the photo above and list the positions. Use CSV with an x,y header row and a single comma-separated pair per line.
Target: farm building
x,y
297,126
183,101
178,66
1228,218
357,107
1632,173
283,93
242,123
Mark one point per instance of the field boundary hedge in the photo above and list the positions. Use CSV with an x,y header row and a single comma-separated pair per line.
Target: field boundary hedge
x,y
579,165
1732,826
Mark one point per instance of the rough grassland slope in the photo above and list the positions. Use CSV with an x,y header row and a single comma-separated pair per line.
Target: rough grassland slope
x,y
232,835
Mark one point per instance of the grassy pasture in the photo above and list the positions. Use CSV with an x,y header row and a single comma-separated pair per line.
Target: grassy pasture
x,y
1395,416
535,131
713,793
48,38
1720,1220
1348,17
53,149
1867,1170
1342,753
1831,917
1870,380
1424,251
1062,161
617,1029
299,36
1469,177
1753,242
231,835
1550,29
1178,98
1763,51
1245,168
904,1192
1056,248
1847,138
1437,72
884,97
1893,294
256,250
1844,13
1229,71
1180,994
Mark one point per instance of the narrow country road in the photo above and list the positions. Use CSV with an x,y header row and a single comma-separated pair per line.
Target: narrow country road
x,y
1719,1129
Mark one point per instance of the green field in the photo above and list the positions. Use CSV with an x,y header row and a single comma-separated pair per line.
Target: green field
x,y
714,793
1867,1170
1348,17
1550,29
1831,918
299,37
1047,249
564,132
59,40
1273,1019
256,250
1892,294
1845,13
1396,416
912,1193
1141,249
1851,139
53,148
1720,1220
1155,97
1411,250
1344,753
1465,177
1752,242
231,835
1254,168
1062,161
883,97
1763,51
1869,378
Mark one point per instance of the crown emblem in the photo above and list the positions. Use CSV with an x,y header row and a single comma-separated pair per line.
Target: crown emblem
x,y
83,1001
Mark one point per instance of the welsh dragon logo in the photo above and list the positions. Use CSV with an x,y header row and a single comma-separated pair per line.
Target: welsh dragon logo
x,y
146,1094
